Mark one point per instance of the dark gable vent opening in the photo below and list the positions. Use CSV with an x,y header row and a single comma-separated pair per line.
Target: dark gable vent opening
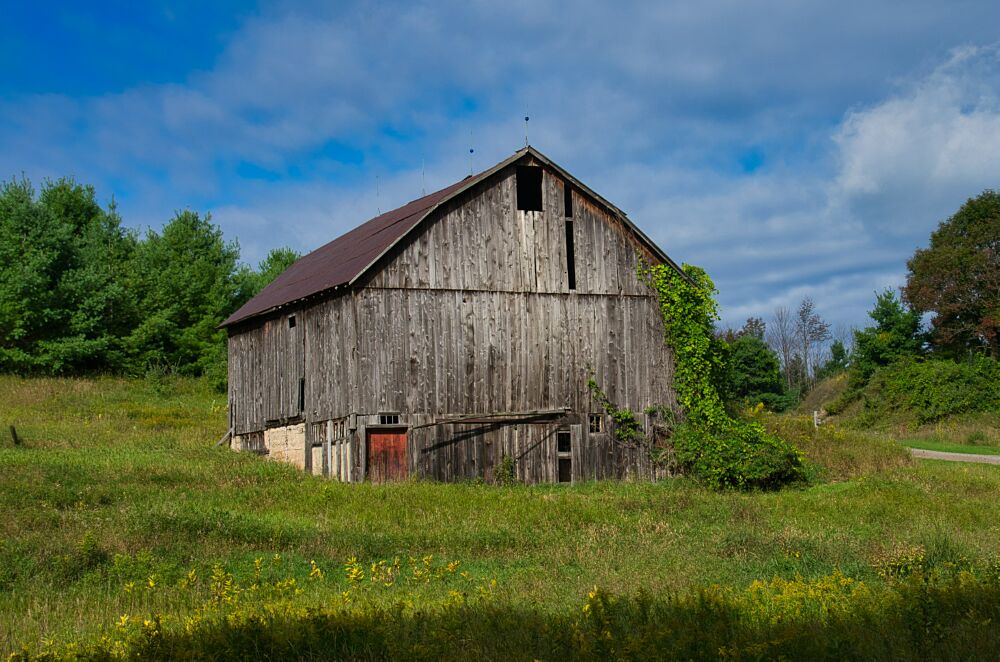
x,y
529,188
291,321
567,200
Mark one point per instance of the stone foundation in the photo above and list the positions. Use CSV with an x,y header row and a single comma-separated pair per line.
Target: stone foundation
x,y
287,444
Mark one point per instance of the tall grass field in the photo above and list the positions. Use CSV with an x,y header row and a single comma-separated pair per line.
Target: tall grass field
x,y
127,534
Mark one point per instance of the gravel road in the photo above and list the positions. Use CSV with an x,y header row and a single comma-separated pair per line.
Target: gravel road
x,y
955,457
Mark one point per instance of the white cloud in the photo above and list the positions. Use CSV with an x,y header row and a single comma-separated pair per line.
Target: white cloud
x,y
650,105
901,166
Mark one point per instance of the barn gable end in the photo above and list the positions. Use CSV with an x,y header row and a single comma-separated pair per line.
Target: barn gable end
x,y
469,338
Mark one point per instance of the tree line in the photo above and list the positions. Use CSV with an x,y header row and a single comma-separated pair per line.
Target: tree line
x,y
955,282
81,293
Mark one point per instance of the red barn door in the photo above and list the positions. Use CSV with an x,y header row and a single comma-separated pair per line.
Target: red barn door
x,y
387,455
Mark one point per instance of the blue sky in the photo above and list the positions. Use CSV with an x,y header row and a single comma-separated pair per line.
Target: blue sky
x,y
791,148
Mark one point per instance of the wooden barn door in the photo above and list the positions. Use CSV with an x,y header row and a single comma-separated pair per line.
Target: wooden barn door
x,y
387,455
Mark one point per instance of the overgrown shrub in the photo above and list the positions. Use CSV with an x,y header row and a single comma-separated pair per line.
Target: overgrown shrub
x,y
722,451
739,454
927,391
505,474
779,402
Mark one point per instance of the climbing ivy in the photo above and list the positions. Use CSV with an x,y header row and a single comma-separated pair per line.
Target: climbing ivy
x,y
689,314
626,428
720,450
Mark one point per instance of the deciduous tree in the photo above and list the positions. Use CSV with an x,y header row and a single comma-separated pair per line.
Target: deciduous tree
x,y
780,336
958,278
810,330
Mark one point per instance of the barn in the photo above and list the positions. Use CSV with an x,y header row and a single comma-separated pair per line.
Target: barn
x,y
454,338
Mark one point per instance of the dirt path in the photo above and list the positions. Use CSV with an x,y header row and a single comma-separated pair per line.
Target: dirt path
x,y
955,457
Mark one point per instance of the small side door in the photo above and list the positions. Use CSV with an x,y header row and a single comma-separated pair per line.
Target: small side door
x,y
387,456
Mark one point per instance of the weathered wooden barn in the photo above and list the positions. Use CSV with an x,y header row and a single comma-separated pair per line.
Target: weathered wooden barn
x,y
461,329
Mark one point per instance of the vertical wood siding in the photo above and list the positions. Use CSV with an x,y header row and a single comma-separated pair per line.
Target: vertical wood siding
x,y
473,316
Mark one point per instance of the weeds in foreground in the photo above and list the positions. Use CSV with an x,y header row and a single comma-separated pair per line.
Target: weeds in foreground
x,y
918,615
116,496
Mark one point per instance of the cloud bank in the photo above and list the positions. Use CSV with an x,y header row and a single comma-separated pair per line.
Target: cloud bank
x,y
790,148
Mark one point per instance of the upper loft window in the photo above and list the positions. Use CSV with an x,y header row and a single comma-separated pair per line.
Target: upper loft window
x,y
567,200
291,321
529,188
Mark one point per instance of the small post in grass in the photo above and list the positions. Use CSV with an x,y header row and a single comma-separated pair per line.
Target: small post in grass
x,y
815,419
13,435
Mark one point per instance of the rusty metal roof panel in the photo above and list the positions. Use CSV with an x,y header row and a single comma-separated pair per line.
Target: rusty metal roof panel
x,y
346,257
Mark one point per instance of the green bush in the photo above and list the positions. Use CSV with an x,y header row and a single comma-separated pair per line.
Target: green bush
x,y
779,402
738,454
928,391
720,450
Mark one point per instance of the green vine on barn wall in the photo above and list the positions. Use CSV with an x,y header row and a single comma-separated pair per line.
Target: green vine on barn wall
x,y
689,314
626,428
720,450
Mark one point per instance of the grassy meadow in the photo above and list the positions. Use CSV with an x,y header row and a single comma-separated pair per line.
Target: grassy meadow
x,y
124,525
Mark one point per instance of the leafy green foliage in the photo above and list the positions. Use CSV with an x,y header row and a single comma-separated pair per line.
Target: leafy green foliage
x,y
780,401
185,279
79,293
897,334
689,312
625,426
720,450
839,361
754,369
958,278
738,454
65,304
505,473
928,391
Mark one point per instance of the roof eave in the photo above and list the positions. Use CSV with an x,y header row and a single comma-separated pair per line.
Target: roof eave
x,y
486,174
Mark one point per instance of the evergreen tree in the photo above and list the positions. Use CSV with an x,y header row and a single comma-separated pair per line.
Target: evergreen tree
x,y
186,283
64,302
897,333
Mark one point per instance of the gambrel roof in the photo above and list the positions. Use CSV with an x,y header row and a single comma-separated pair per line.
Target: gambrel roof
x,y
340,263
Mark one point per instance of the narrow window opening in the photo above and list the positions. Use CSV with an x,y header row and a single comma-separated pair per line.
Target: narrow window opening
x,y
570,257
291,321
567,200
596,423
529,188
564,442
388,419
564,460
302,394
